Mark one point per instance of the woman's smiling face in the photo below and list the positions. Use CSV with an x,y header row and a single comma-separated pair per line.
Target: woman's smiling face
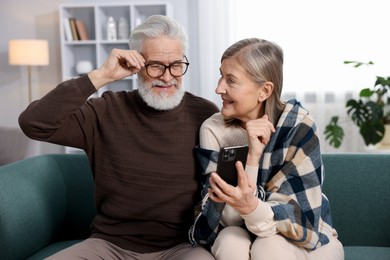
x,y
240,94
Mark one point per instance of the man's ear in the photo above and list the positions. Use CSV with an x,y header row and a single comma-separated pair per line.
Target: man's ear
x,y
266,91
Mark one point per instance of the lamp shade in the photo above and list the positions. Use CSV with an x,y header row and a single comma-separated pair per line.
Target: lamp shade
x,y
28,52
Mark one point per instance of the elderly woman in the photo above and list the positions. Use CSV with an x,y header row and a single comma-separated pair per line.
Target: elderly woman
x,y
277,210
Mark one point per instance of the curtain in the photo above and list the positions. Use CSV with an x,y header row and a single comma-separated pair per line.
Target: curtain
x,y
215,34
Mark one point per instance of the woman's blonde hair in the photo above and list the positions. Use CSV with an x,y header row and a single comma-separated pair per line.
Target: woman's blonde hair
x,y
263,61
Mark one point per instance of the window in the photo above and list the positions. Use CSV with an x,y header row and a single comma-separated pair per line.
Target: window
x,y
317,36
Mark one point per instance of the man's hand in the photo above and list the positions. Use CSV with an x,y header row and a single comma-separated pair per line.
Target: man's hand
x,y
119,64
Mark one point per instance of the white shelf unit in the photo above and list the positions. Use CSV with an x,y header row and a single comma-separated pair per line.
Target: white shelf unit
x,y
97,48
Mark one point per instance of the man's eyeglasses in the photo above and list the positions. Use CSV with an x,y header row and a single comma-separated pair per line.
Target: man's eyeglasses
x,y
177,69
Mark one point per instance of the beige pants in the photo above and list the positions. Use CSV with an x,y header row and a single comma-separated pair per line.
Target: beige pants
x,y
95,249
234,243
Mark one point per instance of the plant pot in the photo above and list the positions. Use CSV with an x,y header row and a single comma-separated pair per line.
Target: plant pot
x,y
385,142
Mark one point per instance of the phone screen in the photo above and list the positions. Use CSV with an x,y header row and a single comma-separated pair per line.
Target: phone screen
x,y
227,158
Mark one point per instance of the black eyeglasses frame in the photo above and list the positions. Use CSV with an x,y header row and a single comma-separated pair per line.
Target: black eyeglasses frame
x,y
168,67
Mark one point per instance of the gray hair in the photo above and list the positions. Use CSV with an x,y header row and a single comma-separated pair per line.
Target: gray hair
x,y
156,26
263,61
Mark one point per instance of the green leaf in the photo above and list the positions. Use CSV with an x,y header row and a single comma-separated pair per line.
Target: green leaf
x,y
357,111
358,63
366,92
361,113
382,81
374,111
372,132
334,134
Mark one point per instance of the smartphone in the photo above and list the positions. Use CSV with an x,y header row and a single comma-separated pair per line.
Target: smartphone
x,y
227,158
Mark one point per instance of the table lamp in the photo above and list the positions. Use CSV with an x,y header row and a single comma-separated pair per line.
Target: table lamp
x,y
30,53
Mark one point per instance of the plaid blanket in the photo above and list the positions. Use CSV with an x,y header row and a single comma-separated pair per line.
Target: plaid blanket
x,y
289,179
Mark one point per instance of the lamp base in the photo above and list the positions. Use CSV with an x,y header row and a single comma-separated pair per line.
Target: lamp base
x,y
29,84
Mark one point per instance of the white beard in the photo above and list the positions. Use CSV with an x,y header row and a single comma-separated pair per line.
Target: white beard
x,y
160,101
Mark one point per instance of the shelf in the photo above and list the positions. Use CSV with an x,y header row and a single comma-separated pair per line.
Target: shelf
x,y
85,42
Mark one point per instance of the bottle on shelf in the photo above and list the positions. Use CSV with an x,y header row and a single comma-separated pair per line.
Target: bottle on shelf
x,y
123,29
111,29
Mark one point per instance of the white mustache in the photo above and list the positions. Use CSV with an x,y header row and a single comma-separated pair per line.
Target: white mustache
x,y
161,83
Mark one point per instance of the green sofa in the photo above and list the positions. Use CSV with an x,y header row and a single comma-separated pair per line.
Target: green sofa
x,y
46,204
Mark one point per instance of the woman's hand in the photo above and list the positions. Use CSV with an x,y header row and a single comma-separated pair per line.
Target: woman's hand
x,y
119,64
259,133
242,197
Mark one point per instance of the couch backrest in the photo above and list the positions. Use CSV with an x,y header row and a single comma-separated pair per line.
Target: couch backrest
x,y
43,199
358,188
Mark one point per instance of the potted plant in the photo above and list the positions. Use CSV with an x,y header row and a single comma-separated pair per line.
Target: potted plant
x,y
370,112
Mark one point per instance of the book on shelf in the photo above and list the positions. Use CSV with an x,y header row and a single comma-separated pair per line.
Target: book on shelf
x,y
81,30
75,30
67,30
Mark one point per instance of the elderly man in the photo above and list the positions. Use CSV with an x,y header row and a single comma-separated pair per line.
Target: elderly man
x,y
139,144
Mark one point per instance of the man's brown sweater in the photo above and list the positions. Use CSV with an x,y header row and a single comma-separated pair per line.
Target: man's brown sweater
x,y
142,159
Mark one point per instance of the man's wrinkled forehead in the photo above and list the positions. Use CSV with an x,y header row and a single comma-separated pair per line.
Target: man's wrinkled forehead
x,y
163,48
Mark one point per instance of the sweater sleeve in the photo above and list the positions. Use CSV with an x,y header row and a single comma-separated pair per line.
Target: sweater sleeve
x,y
261,221
62,116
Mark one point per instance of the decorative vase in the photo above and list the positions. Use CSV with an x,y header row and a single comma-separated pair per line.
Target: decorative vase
x,y
123,29
83,67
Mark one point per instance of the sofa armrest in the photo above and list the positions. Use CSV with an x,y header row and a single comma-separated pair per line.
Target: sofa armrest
x,y
42,200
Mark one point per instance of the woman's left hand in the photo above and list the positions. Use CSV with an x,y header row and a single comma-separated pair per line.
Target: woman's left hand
x,y
242,197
